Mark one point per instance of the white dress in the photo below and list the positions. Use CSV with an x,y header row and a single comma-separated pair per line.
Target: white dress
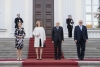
x,y
41,32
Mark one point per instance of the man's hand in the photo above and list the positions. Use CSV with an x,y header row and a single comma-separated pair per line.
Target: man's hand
x,y
75,41
44,41
62,40
52,41
86,40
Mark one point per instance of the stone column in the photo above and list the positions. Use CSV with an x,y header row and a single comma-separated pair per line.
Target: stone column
x,y
58,12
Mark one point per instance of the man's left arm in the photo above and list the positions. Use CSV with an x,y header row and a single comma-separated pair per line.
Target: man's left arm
x,y
62,34
86,33
21,20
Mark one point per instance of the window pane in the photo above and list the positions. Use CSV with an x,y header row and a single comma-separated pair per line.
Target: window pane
x,y
88,17
96,2
88,8
97,24
96,17
95,8
88,2
89,24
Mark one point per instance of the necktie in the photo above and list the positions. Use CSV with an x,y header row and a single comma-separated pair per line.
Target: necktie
x,y
81,28
57,27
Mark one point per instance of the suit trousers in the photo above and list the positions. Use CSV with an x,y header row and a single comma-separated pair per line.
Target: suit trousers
x,y
57,49
80,49
70,32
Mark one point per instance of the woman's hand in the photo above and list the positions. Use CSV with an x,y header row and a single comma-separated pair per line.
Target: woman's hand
x,y
19,36
37,35
44,41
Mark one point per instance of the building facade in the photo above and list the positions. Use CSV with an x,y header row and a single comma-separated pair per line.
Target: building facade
x,y
79,9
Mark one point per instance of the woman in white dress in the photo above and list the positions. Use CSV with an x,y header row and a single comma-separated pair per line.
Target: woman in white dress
x,y
40,38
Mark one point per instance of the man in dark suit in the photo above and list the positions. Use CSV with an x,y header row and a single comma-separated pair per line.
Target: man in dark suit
x,y
18,19
57,38
69,25
80,38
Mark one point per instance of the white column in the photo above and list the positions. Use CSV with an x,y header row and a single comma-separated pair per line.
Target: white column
x,y
26,22
78,11
58,12
67,9
28,16
2,23
17,8
0,12
25,9
7,16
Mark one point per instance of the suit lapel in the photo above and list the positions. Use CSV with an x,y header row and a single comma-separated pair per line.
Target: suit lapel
x,y
79,28
56,28
82,27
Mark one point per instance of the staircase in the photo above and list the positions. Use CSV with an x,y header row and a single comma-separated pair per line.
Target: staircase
x,y
48,57
8,51
92,48
48,51
7,48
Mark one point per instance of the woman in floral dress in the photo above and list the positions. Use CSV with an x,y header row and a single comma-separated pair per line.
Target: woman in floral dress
x,y
19,34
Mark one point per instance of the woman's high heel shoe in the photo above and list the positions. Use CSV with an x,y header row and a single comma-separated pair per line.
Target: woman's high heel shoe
x,y
37,58
40,59
18,59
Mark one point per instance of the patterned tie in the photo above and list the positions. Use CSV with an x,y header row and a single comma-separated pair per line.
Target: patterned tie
x,y
81,28
57,27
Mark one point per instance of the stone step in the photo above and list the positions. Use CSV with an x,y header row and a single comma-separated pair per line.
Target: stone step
x,y
87,43
89,63
92,48
76,49
70,56
95,51
11,64
12,57
8,50
89,39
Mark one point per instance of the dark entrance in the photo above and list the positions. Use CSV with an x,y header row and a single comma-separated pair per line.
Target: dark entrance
x,y
44,10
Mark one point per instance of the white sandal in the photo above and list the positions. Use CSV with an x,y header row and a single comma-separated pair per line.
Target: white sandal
x,y
18,59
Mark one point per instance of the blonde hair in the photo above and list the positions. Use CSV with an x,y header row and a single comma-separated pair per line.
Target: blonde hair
x,y
37,23
20,22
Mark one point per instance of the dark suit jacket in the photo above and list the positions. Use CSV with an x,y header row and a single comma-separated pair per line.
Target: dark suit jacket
x,y
77,33
17,20
68,22
57,34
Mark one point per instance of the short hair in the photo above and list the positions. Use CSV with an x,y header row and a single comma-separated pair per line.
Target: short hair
x,y
18,14
37,22
19,22
69,15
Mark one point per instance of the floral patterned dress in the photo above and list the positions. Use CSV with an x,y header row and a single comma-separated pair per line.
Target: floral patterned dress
x,y
19,41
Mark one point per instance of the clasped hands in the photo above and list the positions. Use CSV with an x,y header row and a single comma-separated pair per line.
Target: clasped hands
x,y
19,36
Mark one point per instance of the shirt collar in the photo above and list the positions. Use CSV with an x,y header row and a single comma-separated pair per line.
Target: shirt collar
x,y
80,25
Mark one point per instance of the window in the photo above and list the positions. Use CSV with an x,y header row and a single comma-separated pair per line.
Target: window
x,y
92,13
